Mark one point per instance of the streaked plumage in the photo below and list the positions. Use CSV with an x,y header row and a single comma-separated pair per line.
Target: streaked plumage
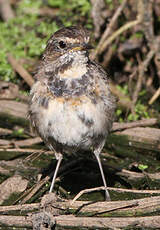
x,y
71,105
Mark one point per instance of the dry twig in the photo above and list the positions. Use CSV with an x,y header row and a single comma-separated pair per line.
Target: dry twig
x,y
88,222
19,69
97,15
141,123
135,175
146,11
142,69
26,151
27,142
143,204
154,97
34,189
113,189
108,29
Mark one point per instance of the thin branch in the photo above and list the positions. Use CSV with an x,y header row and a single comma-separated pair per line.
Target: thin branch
x,y
135,175
142,69
141,123
114,189
26,151
19,69
117,33
154,97
109,28
147,203
35,189
27,142
147,20
20,207
30,193
146,11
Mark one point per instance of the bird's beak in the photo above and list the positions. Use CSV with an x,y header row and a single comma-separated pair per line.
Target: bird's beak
x,y
87,46
84,46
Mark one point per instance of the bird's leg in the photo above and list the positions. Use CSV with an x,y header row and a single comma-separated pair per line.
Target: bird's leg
x,y
97,154
59,157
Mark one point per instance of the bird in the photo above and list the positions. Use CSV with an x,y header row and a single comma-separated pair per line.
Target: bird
x,y
71,105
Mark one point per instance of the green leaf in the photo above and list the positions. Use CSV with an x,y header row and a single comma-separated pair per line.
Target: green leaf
x,y
142,167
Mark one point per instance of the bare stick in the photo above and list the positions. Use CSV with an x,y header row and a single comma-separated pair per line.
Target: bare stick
x,y
97,15
141,123
146,8
119,222
89,222
26,151
146,11
113,189
154,97
145,204
35,189
20,207
27,142
117,33
109,28
142,69
19,69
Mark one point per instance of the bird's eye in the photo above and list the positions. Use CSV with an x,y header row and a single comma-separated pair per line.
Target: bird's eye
x,y
62,44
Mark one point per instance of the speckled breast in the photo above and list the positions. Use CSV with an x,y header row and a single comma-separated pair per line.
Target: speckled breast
x,y
77,123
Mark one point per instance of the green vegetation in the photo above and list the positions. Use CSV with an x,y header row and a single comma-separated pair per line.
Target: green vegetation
x,y
25,36
81,7
142,167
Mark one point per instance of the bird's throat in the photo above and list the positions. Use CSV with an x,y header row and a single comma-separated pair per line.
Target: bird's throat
x,y
73,65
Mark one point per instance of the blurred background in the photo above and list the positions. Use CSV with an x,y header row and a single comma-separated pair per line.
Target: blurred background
x,y
125,35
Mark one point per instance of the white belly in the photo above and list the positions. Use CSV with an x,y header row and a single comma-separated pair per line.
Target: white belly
x,y
73,123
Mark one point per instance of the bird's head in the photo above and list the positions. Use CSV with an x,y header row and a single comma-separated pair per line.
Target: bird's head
x,y
66,40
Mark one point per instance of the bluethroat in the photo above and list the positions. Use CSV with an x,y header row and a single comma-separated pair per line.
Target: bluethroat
x,y
71,105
